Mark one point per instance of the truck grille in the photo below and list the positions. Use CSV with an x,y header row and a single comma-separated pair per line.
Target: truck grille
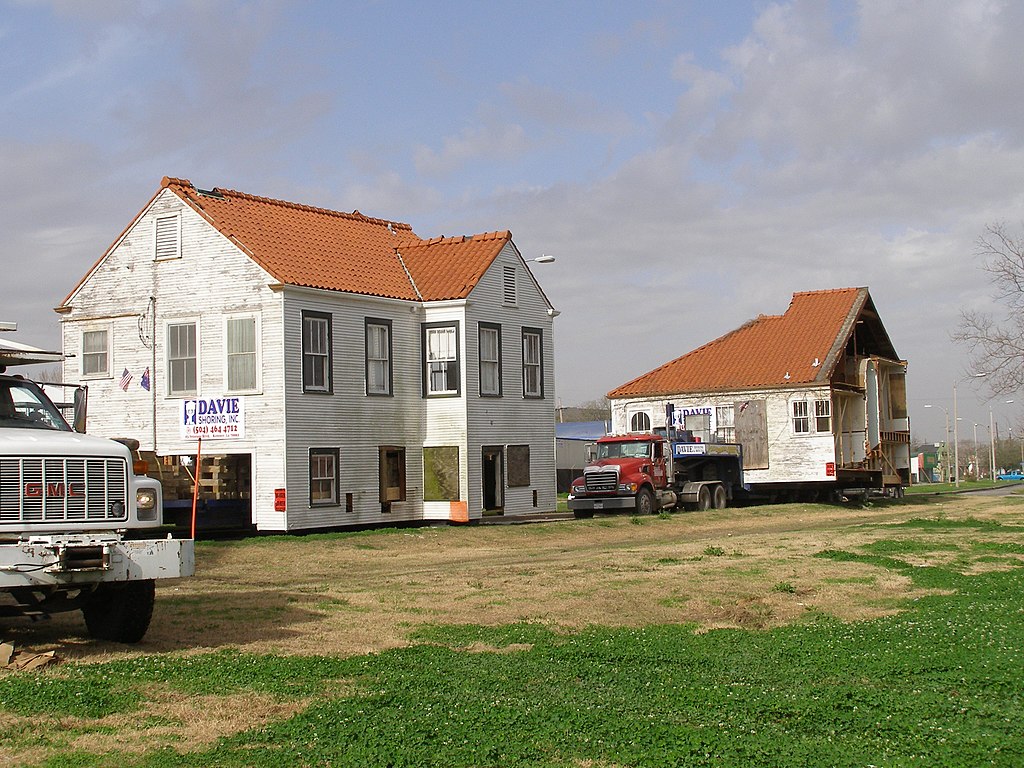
x,y
601,482
63,490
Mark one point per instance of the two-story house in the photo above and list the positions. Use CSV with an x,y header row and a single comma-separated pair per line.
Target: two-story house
x,y
342,370
816,396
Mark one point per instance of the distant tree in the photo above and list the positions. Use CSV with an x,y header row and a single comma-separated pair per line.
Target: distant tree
x,y
591,410
997,342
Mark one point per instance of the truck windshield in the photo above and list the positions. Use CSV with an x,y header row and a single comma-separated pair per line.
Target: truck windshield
x,y
23,405
630,450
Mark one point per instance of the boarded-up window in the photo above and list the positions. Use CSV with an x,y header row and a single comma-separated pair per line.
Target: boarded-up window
x,y
751,420
392,474
441,473
518,458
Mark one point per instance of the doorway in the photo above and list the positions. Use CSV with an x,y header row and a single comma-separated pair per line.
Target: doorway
x,y
493,474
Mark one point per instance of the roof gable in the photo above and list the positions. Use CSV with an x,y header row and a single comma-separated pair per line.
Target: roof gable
x,y
450,267
798,348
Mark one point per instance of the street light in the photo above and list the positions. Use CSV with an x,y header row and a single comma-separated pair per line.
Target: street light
x,y
948,477
956,433
544,258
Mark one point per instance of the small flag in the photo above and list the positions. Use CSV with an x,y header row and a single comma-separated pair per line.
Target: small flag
x,y
144,381
126,379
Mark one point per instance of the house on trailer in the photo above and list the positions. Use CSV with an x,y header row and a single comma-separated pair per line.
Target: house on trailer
x,y
816,397
339,370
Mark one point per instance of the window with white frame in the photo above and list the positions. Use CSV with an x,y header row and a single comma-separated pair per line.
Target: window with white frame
x,y
242,353
316,352
725,425
323,476
801,420
533,369
182,346
812,416
167,237
378,357
640,422
440,359
96,352
822,415
490,359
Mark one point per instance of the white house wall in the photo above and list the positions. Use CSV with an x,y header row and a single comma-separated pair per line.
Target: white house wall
x,y
210,279
511,419
791,457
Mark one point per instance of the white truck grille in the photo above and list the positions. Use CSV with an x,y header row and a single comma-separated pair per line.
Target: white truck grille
x,y
55,490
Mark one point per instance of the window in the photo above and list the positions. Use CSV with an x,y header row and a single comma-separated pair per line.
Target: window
x,y
96,352
323,476
640,422
725,424
440,359
533,370
167,237
181,358
242,350
518,458
378,357
392,474
490,360
316,352
441,473
801,422
509,285
822,415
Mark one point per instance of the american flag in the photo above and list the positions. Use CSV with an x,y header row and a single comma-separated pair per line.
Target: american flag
x,y
126,379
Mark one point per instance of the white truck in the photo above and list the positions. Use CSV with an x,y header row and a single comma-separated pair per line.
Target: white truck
x,y
73,515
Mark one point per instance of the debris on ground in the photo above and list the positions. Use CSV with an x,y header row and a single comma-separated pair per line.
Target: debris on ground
x,y
14,660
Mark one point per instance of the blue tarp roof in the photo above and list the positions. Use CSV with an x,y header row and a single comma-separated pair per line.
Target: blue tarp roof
x,y
581,430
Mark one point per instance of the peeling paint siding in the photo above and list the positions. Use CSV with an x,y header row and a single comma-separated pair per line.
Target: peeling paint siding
x,y
211,278
511,419
791,457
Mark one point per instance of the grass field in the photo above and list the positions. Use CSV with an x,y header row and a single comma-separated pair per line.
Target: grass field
x,y
794,635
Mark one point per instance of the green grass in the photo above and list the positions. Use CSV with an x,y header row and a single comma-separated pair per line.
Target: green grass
x,y
938,684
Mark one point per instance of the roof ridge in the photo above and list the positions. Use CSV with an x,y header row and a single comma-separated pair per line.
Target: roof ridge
x,y
169,181
503,234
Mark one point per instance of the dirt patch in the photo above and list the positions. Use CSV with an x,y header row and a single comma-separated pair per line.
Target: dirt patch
x,y
748,568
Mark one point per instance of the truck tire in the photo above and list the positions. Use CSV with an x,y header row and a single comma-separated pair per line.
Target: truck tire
x,y
704,498
644,502
721,498
120,611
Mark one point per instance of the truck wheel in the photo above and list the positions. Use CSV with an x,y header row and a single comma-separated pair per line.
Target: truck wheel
x,y
721,500
644,502
704,498
120,611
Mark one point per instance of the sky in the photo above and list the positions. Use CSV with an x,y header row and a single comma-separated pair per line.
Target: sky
x,y
690,165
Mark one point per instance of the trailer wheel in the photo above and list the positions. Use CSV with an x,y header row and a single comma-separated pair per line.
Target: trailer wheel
x,y
120,611
704,498
644,502
721,500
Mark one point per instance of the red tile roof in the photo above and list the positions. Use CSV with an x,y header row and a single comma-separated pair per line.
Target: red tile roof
x,y
771,351
320,248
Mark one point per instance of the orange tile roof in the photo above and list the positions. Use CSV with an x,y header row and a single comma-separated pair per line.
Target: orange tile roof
x,y
771,351
320,248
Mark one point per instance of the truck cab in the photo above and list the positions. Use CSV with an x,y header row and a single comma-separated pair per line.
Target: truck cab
x,y
628,472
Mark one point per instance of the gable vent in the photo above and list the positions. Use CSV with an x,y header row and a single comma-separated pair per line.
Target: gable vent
x,y
168,237
510,285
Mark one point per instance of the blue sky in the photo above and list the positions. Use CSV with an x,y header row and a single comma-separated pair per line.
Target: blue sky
x,y
689,164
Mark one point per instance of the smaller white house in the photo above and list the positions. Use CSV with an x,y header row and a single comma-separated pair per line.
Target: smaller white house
x,y
816,397
338,369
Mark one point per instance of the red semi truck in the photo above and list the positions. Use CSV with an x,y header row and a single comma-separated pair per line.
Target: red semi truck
x,y
647,472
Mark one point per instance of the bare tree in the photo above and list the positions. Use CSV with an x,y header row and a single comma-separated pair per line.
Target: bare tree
x,y
997,343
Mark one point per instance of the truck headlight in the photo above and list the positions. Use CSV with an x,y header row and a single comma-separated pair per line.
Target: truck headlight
x,y
628,487
578,489
145,503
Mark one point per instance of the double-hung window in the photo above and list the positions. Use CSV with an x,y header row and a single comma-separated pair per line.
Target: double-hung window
x,y
801,420
96,353
182,359
316,352
490,359
323,476
440,359
242,353
533,368
725,424
822,415
812,416
378,357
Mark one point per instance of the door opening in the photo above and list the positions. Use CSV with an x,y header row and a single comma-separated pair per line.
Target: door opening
x,y
493,479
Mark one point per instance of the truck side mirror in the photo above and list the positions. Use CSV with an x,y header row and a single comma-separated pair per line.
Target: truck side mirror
x,y
81,407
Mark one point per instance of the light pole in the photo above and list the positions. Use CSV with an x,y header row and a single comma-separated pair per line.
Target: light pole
x,y
956,433
948,477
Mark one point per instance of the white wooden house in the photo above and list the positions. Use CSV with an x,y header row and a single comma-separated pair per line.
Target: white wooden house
x,y
816,397
342,370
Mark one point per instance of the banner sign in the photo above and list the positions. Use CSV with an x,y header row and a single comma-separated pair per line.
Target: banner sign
x,y
214,418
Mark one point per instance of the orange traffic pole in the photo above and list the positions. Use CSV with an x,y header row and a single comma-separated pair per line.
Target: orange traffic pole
x,y
195,487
